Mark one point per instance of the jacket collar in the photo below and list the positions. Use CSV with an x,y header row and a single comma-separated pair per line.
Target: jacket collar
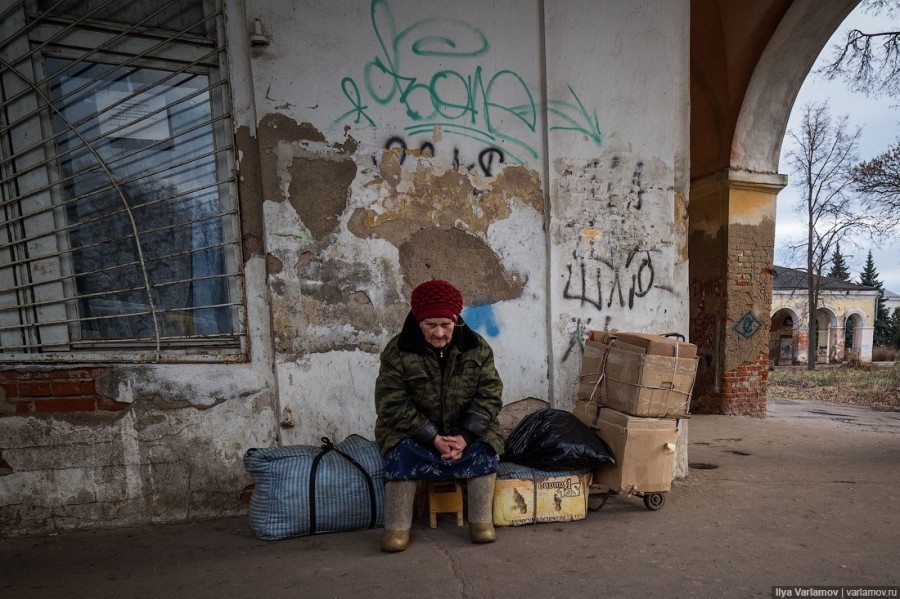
x,y
411,338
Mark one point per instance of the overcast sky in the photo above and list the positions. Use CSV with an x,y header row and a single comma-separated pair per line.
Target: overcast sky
x,y
880,122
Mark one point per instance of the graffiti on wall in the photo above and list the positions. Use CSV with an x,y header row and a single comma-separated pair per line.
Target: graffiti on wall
x,y
431,69
616,185
486,161
747,325
587,273
612,218
579,330
482,319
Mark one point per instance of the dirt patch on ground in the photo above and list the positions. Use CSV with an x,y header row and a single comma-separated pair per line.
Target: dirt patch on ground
x,y
874,386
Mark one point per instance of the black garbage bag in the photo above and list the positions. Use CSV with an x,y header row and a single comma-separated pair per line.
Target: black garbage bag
x,y
555,440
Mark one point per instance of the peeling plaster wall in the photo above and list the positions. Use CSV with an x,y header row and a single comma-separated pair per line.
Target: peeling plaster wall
x,y
146,464
167,447
368,193
733,224
532,153
709,246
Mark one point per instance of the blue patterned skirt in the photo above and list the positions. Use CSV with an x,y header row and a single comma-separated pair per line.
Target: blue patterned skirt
x,y
410,461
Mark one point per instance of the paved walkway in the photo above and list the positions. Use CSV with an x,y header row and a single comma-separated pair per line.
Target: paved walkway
x,y
805,497
831,415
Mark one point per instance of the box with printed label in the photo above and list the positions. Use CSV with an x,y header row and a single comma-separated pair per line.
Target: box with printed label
x,y
524,495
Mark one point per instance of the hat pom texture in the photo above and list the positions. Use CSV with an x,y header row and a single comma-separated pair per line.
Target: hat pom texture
x,y
436,299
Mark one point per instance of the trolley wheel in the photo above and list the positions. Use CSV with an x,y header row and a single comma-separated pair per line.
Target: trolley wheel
x,y
654,501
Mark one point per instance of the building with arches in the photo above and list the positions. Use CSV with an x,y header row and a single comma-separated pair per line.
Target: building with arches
x,y
214,212
844,317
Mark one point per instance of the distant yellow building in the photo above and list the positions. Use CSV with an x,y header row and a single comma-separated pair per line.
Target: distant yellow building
x,y
844,319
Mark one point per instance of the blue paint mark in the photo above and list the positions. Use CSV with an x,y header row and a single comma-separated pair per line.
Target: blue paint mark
x,y
748,325
482,319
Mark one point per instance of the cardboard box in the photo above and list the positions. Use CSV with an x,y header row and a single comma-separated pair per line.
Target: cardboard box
x,y
644,449
624,378
593,360
525,496
656,345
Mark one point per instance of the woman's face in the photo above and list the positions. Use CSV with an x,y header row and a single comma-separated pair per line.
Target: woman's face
x,y
437,331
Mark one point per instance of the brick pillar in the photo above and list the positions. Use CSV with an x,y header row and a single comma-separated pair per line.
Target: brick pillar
x,y
731,249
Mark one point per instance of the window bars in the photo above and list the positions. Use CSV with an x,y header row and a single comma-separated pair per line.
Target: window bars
x,y
119,230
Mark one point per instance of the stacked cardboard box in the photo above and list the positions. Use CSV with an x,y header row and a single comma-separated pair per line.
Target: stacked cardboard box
x,y
644,449
638,374
632,389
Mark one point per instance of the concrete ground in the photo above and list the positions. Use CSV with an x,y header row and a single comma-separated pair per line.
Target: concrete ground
x,y
805,497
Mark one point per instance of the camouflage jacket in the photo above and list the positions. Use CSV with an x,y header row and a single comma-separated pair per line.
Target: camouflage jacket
x,y
415,398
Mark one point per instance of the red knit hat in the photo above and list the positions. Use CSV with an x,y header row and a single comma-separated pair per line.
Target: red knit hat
x,y
436,299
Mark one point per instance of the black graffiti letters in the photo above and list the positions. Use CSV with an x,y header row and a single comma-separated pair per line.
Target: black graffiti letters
x,y
488,157
585,283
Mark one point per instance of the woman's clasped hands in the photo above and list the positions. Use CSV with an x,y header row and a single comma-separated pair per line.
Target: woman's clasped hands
x,y
450,446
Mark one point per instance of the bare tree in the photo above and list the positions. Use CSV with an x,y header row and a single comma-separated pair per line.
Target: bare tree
x,y
878,181
870,61
821,156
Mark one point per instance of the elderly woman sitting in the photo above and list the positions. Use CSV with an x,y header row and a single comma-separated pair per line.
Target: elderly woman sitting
x,y
437,398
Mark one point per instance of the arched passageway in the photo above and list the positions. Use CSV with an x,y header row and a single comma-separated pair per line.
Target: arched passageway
x,y
854,327
748,62
829,337
784,337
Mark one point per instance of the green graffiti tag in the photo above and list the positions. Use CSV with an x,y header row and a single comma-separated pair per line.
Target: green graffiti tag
x,y
571,113
351,91
474,104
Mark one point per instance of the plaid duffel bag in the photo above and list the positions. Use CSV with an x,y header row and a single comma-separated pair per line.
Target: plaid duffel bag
x,y
304,490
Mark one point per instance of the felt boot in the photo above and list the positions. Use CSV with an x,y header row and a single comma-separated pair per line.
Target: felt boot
x,y
481,508
399,496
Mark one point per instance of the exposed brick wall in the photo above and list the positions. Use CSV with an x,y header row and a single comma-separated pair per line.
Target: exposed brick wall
x,y
47,391
743,391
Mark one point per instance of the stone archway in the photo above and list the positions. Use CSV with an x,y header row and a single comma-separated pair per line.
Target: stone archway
x,y
784,337
854,327
748,62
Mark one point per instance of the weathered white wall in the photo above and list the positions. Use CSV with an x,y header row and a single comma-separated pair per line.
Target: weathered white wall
x,y
350,82
618,231
579,226
544,174
172,452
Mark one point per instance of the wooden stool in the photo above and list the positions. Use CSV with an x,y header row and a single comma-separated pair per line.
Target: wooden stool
x,y
444,496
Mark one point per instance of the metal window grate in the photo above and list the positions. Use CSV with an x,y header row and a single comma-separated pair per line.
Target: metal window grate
x,y
119,230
